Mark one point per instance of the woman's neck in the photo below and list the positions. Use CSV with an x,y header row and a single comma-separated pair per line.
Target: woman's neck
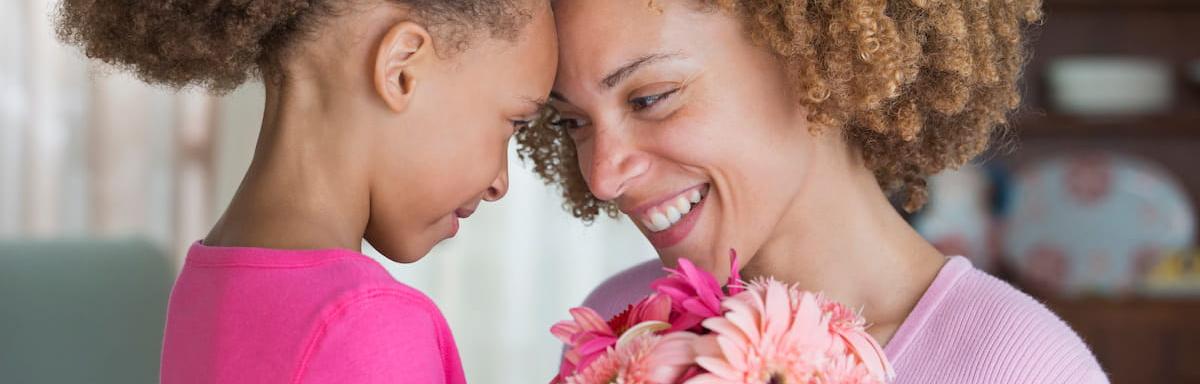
x,y
307,185
844,238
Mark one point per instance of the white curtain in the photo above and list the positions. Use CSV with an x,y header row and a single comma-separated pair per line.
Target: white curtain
x,y
89,152
85,153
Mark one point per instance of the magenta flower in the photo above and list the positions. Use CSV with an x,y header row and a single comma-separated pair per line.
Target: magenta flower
x,y
695,294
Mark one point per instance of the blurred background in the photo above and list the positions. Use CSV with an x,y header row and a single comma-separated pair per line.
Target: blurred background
x,y
1091,207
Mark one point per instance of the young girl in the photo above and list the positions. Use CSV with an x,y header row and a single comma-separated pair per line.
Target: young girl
x,y
385,120
779,128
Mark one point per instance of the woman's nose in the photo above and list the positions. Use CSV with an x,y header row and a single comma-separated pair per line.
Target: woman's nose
x,y
611,164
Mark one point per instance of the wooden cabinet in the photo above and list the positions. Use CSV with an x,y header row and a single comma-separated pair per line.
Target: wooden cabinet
x,y
1139,340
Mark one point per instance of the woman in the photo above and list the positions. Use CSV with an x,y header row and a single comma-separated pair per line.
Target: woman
x,y
385,120
780,129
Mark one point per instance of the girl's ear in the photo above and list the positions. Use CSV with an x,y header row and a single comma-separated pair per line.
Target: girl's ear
x,y
404,55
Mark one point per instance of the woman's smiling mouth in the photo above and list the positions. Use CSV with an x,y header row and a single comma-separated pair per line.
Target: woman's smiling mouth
x,y
669,220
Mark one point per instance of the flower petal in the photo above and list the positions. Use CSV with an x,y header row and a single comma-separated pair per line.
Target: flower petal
x,y
708,378
707,346
565,330
595,346
735,351
656,307
589,320
734,284
718,367
640,329
870,353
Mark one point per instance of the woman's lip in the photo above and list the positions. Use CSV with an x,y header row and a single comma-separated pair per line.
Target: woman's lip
x,y
680,230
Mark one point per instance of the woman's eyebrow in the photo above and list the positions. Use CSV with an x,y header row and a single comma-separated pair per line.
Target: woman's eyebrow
x,y
558,96
620,74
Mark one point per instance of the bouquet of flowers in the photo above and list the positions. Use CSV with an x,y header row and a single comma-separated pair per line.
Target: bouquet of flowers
x,y
693,331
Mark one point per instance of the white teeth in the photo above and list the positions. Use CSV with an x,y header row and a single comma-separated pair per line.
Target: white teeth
x,y
673,215
660,218
683,205
648,224
659,222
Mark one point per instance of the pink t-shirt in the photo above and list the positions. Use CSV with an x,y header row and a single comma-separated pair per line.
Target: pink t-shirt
x,y
252,315
968,327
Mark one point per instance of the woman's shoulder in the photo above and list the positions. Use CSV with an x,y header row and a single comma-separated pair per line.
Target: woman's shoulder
x,y
997,306
984,320
624,288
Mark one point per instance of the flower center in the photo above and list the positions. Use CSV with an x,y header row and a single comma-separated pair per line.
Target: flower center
x,y
775,379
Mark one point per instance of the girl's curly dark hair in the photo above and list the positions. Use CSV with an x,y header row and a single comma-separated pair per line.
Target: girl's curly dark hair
x,y
219,44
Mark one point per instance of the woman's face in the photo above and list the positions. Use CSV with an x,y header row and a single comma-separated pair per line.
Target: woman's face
x,y
683,122
452,151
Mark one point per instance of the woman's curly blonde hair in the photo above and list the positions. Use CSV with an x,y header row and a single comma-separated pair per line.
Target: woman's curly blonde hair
x,y
918,86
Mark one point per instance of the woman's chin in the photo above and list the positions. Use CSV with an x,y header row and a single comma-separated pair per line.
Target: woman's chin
x,y
702,259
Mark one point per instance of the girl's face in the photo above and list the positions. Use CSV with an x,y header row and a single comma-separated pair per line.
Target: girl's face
x,y
452,151
682,121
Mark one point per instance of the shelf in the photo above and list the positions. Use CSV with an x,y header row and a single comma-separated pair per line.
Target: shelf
x,y
1178,126
1123,5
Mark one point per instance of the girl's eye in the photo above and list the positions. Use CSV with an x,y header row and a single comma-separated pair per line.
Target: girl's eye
x,y
521,124
567,123
640,103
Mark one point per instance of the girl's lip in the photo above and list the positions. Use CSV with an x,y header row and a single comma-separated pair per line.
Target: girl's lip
x,y
463,213
453,226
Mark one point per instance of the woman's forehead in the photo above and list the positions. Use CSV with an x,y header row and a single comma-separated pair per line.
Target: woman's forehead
x,y
598,39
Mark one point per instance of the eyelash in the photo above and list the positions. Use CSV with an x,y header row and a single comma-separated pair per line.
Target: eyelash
x,y
561,124
637,104
640,103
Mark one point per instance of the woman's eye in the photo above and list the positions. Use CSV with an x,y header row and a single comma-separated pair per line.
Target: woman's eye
x,y
640,103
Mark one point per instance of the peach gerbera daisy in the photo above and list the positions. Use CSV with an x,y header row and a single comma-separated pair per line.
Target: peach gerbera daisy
x,y
772,333
642,359
588,336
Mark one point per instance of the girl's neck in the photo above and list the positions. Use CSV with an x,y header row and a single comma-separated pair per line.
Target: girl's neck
x,y
844,238
307,185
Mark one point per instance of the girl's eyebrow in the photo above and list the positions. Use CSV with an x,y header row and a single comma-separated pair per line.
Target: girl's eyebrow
x,y
540,102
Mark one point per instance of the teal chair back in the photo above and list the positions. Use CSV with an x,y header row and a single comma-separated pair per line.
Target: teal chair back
x,y
82,311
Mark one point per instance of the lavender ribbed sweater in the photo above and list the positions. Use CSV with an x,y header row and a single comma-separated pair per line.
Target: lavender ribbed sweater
x,y
968,327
